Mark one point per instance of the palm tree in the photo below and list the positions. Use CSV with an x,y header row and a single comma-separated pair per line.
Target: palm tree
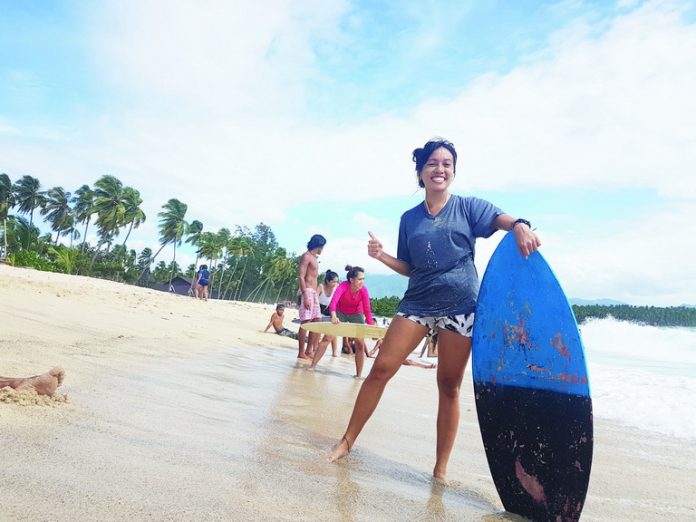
x,y
193,233
223,237
110,207
28,196
238,247
57,210
249,252
6,203
134,214
70,228
23,233
145,258
172,226
84,201
209,247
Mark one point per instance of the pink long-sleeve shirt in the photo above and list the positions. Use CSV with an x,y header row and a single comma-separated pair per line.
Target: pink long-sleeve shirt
x,y
348,303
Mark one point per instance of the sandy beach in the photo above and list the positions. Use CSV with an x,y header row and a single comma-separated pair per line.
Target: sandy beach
x,y
179,409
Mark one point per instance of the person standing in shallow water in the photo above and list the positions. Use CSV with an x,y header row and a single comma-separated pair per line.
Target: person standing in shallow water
x,y
308,274
326,292
436,252
350,304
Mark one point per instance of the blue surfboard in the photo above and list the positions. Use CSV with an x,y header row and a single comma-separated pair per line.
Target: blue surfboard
x,y
531,387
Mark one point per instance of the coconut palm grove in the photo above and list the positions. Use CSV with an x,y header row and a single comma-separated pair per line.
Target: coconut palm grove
x,y
245,264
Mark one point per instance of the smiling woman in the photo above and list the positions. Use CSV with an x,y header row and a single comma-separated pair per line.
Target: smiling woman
x,y
436,253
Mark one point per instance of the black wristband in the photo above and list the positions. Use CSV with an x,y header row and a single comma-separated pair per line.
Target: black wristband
x,y
523,221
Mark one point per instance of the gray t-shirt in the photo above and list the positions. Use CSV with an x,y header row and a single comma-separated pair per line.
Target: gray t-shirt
x,y
440,251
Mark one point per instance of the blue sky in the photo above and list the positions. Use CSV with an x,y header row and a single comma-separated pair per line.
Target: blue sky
x,y
573,114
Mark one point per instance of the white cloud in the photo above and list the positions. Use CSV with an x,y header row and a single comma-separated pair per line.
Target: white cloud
x,y
603,110
212,103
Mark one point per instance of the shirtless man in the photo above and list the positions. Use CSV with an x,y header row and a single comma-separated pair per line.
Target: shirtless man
x,y
309,303
45,384
276,322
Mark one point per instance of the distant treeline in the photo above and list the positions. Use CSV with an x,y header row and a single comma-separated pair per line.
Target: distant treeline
x,y
650,315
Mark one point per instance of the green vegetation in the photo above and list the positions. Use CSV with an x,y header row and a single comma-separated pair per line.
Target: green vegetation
x,y
384,306
649,315
246,265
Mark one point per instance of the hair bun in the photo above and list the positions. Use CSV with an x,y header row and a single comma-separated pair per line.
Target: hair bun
x,y
348,268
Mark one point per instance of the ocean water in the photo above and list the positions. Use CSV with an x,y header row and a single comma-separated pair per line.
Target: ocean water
x,y
643,376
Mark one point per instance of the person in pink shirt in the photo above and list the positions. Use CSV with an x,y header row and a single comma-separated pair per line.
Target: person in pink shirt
x,y
350,304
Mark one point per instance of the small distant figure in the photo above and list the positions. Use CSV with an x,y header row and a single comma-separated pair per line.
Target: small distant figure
x,y
326,292
276,322
202,282
375,348
308,276
405,362
410,362
44,384
430,344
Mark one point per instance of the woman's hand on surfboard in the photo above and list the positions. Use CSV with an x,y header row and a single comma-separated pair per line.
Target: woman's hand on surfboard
x,y
374,247
526,239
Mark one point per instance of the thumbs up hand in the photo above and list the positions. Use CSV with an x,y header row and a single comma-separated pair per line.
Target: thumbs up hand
x,y
374,247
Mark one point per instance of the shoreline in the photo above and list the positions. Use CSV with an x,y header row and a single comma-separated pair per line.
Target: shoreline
x,y
183,409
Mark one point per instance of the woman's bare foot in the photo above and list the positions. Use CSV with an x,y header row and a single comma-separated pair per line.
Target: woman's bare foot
x,y
339,450
439,475
45,384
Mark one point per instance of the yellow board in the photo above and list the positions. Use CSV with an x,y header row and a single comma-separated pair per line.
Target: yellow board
x,y
346,330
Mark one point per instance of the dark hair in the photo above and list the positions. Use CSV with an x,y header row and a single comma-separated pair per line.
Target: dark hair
x,y
330,276
420,156
352,271
280,306
204,267
316,241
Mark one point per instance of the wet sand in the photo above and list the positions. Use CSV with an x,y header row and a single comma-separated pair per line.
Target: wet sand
x,y
183,410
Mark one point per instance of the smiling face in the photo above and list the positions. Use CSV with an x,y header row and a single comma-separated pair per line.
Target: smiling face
x,y
438,172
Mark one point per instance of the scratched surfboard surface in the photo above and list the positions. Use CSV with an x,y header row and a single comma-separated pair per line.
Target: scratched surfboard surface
x,y
531,387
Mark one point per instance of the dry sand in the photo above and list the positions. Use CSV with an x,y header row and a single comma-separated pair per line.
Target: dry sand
x,y
183,410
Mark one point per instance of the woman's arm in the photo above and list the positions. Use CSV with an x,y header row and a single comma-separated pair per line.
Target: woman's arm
x,y
367,309
526,239
374,249
338,292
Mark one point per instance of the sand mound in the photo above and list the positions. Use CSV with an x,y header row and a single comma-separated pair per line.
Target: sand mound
x,y
31,398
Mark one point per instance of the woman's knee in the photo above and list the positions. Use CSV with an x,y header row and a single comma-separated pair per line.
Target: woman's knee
x,y
449,387
383,371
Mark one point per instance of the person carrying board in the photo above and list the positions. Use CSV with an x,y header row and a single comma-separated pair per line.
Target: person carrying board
x,y
350,304
436,252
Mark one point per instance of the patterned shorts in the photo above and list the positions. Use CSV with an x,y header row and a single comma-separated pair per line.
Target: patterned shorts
x,y
313,312
462,324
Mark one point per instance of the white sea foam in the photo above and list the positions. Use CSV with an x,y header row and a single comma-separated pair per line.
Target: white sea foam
x,y
643,376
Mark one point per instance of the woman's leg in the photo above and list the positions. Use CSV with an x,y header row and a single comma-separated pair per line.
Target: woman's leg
x,y
454,350
402,337
359,357
321,349
334,347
